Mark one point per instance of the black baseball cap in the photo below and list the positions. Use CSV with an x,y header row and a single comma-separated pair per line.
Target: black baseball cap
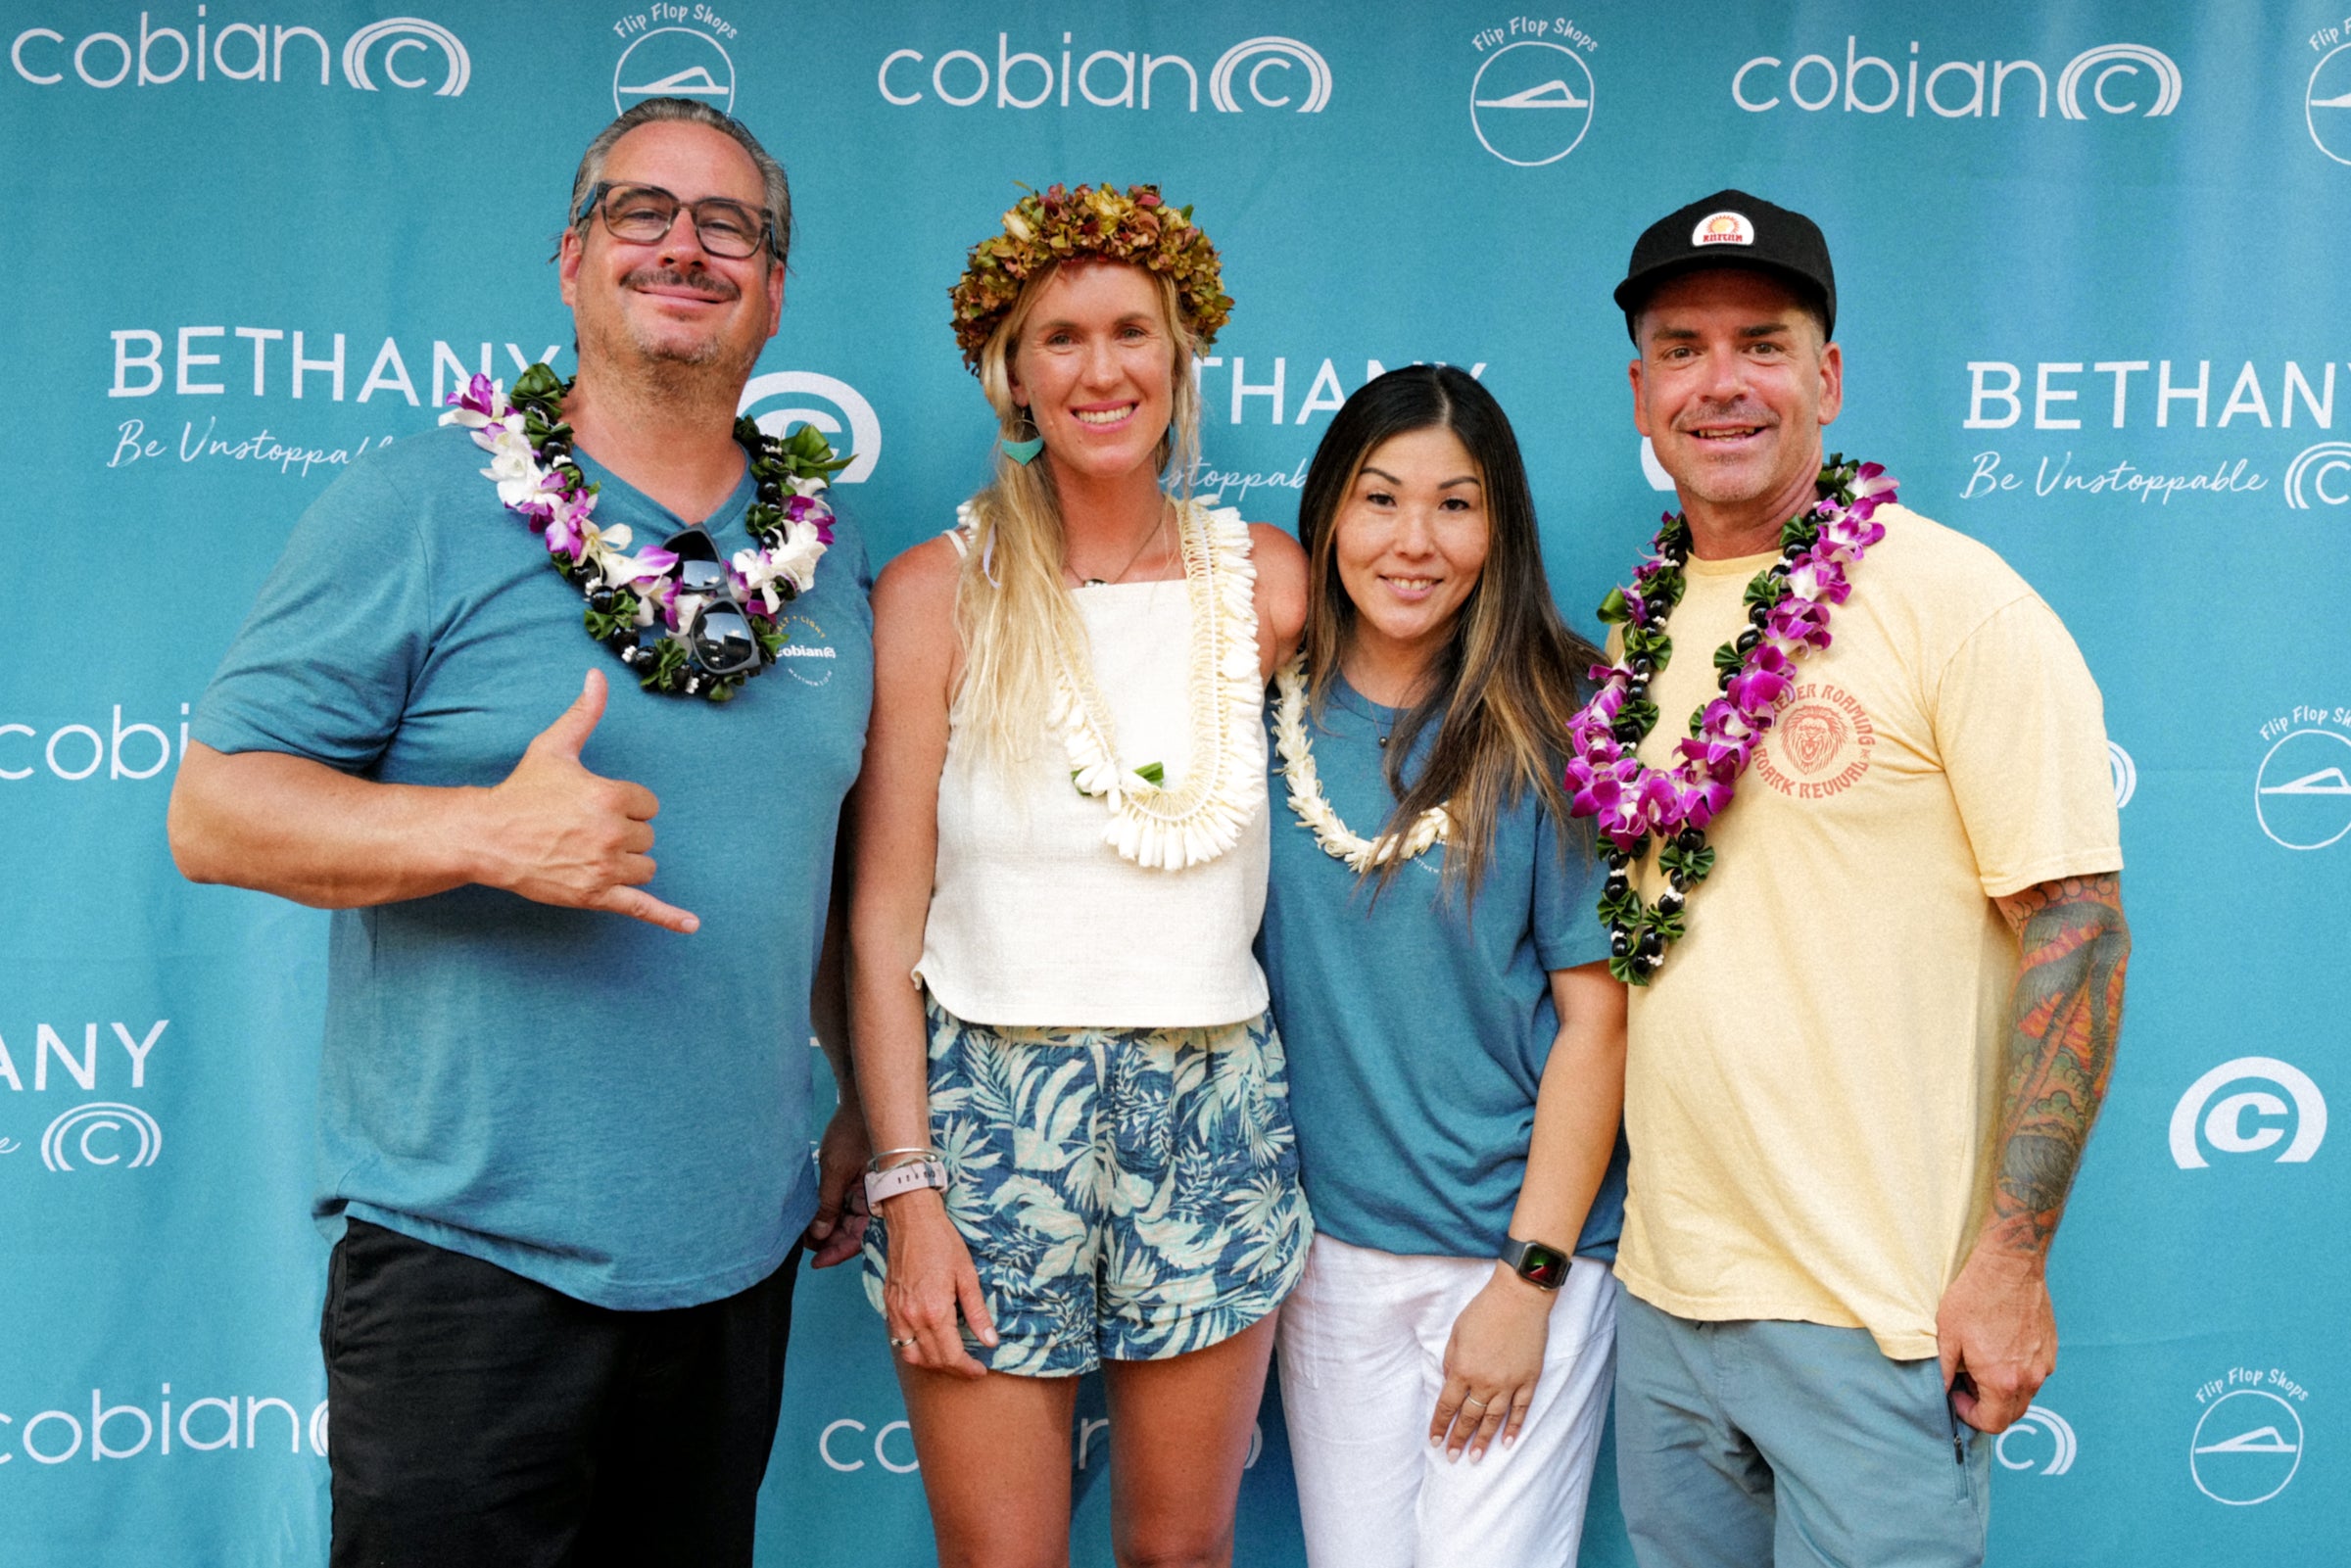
x,y
1731,228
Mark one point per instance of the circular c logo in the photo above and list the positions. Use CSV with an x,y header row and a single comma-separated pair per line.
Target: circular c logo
x,y
864,426
2040,1421
2230,1125
2125,774
102,1132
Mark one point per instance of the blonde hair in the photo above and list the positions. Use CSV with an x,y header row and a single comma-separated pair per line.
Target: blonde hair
x,y
1013,613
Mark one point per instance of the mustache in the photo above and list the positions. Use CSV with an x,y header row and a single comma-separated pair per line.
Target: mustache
x,y
1737,411
670,278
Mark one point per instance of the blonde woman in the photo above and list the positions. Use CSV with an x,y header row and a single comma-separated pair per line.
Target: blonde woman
x,y
1085,1156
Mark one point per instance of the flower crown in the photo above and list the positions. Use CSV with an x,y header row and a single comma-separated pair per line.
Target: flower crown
x,y
1061,224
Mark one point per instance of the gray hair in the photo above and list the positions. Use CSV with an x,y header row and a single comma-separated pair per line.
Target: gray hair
x,y
690,111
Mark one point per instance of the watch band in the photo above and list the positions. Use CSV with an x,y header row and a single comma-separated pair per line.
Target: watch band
x,y
1542,1266
913,1175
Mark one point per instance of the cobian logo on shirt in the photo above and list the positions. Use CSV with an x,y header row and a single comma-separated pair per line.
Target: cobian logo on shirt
x,y
1819,745
805,657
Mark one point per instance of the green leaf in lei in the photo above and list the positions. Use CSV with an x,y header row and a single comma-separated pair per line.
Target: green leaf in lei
x,y
602,624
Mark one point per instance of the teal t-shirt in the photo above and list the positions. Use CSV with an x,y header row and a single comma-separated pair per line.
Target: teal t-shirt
x,y
615,1110
1417,1034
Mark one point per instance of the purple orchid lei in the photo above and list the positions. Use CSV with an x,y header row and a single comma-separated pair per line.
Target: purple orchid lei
x,y
1631,803
531,461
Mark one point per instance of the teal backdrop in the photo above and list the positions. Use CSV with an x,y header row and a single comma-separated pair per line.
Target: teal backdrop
x,y
2091,265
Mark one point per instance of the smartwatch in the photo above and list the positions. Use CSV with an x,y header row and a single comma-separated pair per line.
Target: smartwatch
x,y
913,1175
1544,1267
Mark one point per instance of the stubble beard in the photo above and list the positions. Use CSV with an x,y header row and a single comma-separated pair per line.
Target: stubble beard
x,y
702,368
1735,487
1725,485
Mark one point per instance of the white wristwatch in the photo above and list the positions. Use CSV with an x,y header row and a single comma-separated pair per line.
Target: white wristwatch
x,y
911,1176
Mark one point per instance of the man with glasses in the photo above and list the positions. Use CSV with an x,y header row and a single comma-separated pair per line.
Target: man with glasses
x,y
565,1096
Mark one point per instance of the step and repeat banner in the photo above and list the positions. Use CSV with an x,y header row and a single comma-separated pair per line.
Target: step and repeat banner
x,y
2092,267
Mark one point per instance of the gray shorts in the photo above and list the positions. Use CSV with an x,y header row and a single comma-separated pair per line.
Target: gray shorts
x,y
1783,1444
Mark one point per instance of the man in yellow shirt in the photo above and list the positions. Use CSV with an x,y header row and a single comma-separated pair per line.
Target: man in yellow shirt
x,y
1858,1087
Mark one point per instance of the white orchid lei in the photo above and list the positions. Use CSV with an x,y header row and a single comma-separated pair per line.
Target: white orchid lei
x,y
1315,810
531,461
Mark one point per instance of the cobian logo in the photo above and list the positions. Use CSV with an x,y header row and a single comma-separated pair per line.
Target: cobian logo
x,y
104,1132
2037,1425
1723,228
1820,743
2246,1122
400,50
1280,74
2125,774
806,656
2115,78
674,63
1530,102
863,429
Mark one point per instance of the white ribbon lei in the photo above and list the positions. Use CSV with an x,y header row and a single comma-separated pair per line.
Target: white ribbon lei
x,y
1307,800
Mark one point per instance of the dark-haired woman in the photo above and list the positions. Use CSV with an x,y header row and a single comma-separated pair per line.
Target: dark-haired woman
x,y
1457,1045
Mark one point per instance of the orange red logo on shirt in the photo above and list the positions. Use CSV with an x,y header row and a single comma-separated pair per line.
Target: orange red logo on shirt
x,y
1820,743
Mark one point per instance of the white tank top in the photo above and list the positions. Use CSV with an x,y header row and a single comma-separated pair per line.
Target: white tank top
x,y
1037,917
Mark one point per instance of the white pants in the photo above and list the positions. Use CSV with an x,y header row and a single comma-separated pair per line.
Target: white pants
x,y
1362,1360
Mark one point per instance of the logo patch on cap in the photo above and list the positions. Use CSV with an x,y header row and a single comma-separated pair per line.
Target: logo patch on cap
x,y
1723,228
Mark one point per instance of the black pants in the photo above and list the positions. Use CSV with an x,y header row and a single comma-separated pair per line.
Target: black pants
x,y
479,1418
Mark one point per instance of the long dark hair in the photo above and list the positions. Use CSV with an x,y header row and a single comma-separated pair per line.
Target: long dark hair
x,y
1509,677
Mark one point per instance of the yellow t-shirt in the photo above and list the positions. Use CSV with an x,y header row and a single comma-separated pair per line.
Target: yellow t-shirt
x,y
1815,1079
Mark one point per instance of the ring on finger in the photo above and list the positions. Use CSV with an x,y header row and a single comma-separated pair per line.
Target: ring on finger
x,y
1480,1404
899,1345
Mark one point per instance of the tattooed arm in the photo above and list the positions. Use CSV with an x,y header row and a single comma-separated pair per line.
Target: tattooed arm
x,y
2066,1012
1998,1332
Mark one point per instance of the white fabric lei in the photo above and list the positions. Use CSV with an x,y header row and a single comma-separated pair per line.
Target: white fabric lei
x,y
1432,827
1202,816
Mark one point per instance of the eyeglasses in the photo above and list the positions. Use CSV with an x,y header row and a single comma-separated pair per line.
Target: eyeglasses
x,y
643,213
717,631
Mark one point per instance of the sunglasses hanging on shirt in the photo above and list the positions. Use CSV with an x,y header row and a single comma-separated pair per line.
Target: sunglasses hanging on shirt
x,y
717,630
729,619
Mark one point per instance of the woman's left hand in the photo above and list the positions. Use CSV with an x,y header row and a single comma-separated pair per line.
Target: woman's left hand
x,y
1492,1363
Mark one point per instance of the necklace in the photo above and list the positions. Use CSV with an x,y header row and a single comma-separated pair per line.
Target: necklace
x,y
1157,529
1198,820
1788,616
1314,810
530,459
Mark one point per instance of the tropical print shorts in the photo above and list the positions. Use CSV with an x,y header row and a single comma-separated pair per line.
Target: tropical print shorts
x,y
1127,1194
